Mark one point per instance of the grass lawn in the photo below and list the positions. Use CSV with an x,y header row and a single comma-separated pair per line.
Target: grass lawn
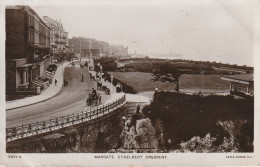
x,y
189,82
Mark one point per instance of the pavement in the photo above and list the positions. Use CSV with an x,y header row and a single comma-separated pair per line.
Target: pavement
x,y
50,92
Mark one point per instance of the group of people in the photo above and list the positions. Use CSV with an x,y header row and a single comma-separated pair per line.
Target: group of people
x,y
93,97
98,75
92,93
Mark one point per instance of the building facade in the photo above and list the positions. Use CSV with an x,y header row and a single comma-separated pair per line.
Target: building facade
x,y
27,48
58,37
119,50
87,47
240,84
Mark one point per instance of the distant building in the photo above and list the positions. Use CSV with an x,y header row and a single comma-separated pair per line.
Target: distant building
x,y
87,47
240,84
119,50
27,48
58,37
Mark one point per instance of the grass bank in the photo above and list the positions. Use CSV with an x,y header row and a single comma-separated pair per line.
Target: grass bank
x,y
142,82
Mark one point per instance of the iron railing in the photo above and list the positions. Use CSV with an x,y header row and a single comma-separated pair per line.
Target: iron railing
x,y
64,121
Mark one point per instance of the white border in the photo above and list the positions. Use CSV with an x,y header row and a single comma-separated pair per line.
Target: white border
x,y
87,159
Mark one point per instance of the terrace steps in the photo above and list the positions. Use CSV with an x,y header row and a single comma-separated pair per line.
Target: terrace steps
x,y
115,137
131,108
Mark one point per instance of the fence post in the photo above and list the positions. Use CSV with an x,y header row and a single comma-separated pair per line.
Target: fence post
x,y
22,131
56,122
14,132
43,125
62,121
36,127
29,128
68,119
50,124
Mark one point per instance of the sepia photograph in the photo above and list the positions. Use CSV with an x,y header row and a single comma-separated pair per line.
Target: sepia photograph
x,y
129,80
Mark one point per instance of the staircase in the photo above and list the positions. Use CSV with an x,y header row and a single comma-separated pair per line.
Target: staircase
x,y
131,107
115,137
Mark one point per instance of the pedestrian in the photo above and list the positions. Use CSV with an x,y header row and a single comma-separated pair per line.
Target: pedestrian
x,y
117,88
55,82
82,78
137,109
97,85
105,78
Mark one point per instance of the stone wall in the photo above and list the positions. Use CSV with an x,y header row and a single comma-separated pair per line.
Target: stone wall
x,y
80,138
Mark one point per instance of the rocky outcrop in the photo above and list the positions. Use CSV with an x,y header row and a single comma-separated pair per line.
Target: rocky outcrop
x,y
141,135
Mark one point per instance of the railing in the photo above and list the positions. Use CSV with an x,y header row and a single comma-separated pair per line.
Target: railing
x,y
64,121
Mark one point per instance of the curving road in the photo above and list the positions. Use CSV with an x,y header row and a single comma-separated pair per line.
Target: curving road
x,y
71,100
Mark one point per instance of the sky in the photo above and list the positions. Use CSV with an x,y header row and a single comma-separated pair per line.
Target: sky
x,y
210,30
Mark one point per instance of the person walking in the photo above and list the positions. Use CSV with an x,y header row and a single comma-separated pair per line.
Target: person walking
x,y
97,85
100,85
55,82
82,78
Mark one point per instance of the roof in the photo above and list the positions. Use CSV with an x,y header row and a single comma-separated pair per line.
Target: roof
x,y
241,77
25,7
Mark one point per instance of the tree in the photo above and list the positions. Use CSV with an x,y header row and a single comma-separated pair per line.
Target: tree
x,y
166,72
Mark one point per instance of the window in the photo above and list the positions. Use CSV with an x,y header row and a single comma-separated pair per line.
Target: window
x,y
21,77
30,21
31,36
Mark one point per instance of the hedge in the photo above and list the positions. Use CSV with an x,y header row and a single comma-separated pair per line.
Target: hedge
x,y
126,88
